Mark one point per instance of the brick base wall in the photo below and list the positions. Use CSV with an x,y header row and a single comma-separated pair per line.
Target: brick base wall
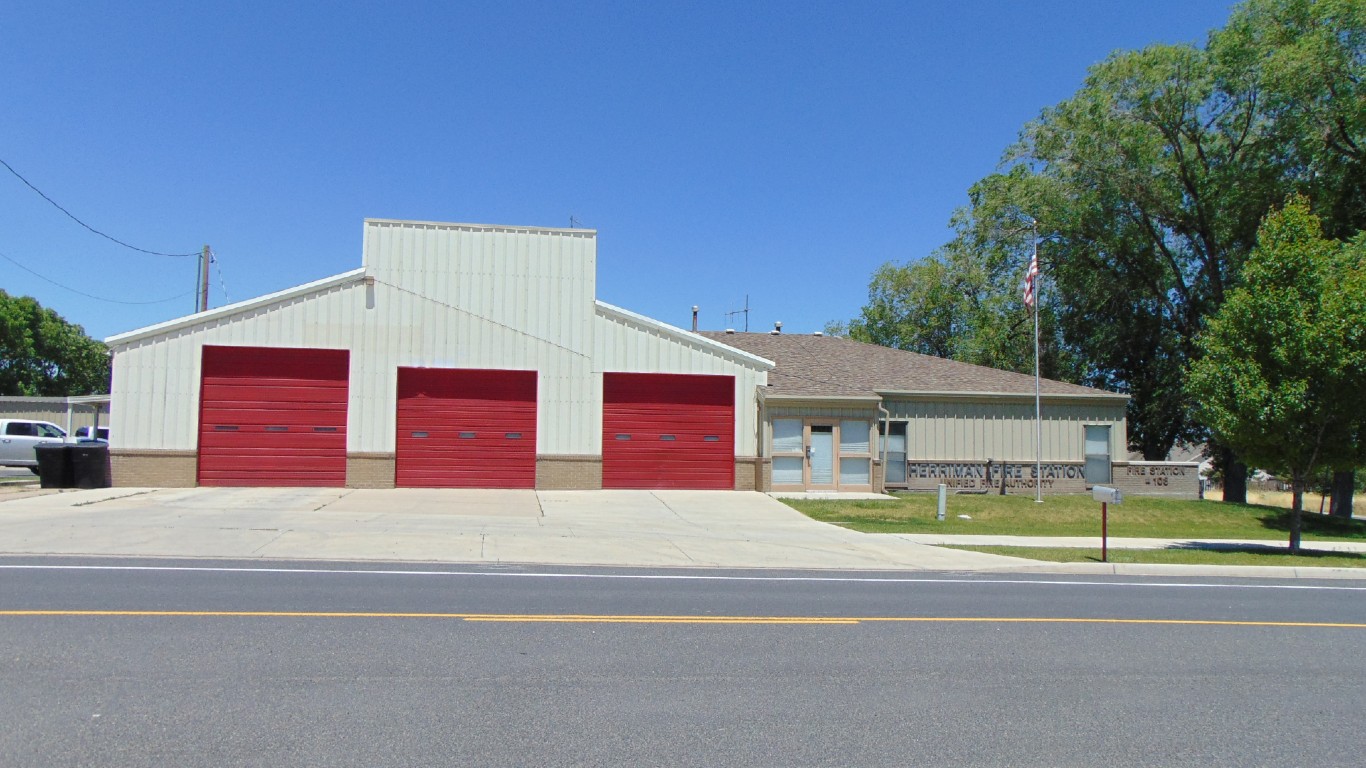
x,y
369,470
153,468
568,473
749,473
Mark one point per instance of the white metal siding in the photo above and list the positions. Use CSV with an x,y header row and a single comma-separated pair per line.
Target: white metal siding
x,y
969,430
444,295
539,283
624,345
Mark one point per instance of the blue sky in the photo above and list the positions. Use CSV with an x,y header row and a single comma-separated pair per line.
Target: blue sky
x,y
780,150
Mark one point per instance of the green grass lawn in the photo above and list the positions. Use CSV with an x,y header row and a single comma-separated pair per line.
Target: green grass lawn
x,y
1138,516
1306,558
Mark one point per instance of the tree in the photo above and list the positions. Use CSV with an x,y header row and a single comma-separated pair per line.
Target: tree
x,y
43,355
958,304
1306,60
1149,184
1307,57
1284,358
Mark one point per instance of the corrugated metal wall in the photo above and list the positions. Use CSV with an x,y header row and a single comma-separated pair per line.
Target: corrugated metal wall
x,y
444,296
627,345
1004,430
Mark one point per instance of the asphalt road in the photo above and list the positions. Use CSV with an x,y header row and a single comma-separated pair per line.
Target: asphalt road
x,y
203,663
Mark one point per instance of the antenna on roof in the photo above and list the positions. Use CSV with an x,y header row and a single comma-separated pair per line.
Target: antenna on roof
x,y
574,223
744,312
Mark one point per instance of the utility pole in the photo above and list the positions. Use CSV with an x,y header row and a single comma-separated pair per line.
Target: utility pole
x,y
205,257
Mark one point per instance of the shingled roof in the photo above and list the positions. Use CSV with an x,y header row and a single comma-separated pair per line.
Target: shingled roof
x,y
828,366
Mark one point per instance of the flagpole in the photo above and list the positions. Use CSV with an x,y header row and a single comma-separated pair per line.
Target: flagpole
x,y
1038,410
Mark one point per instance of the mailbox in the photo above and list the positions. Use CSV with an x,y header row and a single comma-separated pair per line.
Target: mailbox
x,y
1107,495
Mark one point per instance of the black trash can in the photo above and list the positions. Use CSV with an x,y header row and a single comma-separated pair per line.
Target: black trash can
x,y
55,469
90,465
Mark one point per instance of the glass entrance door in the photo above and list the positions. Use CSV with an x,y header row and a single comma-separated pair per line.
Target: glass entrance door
x,y
820,456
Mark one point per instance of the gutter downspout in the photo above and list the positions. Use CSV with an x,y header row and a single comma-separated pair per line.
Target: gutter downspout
x,y
882,442
761,448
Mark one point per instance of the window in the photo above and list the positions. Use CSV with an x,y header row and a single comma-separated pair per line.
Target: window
x,y
787,436
789,457
47,430
856,458
787,470
854,472
1097,454
853,437
19,428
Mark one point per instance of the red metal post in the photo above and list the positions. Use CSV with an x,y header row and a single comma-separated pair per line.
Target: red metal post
x,y
1104,533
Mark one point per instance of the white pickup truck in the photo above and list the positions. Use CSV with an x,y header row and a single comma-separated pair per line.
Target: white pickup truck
x,y
19,436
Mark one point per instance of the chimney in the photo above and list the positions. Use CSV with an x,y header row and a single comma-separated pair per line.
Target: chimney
x,y
777,328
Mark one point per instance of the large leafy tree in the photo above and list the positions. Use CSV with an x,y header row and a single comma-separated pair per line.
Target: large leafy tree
x,y
1284,357
43,355
1307,58
955,306
1148,186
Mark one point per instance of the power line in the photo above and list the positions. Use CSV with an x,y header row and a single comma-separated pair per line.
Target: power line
x,y
6,257
223,286
72,216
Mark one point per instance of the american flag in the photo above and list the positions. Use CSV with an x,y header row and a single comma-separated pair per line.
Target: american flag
x,y
1031,279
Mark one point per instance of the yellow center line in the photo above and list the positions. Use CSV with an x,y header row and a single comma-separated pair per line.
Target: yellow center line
x,y
644,619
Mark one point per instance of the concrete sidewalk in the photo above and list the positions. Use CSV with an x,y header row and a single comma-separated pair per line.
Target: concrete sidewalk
x,y
715,529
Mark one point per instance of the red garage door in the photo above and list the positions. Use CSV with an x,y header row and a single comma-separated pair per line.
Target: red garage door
x,y
668,431
271,416
466,428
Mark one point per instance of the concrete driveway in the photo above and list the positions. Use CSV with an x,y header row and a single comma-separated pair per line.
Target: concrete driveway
x,y
611,528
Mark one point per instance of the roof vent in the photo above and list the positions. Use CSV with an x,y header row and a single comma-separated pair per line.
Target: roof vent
x,y
730,330
817,333
777,328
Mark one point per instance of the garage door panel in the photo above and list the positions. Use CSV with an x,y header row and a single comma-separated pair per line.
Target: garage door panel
x,y
272,416
466,428
294,443
266,480
259,464
277,363
668,431
255,397
291,419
